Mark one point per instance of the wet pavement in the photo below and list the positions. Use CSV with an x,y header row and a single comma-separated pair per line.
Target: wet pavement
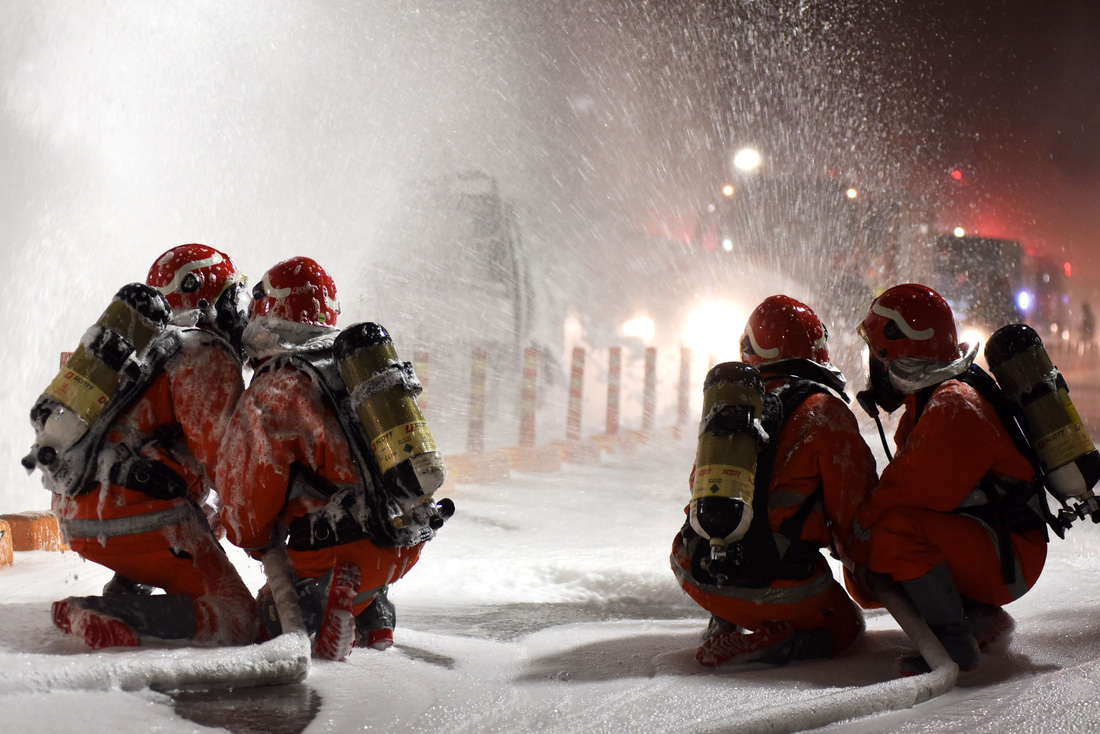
x,y
271,710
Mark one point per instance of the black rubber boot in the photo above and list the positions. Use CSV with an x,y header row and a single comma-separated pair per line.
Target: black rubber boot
x,y
719,626
120,585
373,623
164,616
813,644
311,601
935,598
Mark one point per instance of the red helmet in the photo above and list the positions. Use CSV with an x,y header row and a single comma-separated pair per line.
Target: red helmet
x,y
910,321
783,328
299,290
193,276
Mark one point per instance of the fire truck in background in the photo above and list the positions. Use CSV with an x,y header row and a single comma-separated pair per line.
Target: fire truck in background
x,y
843,242
990,282
835,240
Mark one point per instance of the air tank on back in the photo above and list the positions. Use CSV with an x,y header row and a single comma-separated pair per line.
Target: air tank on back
x,y
1024,370
383,392
725,464
76,397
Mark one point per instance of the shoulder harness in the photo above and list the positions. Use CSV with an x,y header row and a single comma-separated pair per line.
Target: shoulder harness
x,y
355,511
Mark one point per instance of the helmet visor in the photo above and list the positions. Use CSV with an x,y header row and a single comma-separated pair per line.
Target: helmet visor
x,y
861,329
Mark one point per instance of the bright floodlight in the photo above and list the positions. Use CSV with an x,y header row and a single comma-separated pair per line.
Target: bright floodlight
x,y
960,232
1023,300
715,328
641,327
746,159
972,335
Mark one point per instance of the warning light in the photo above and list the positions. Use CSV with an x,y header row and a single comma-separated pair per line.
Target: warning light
x,y
962,176
1066,267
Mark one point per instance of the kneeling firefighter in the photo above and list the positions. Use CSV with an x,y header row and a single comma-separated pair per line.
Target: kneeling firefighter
x,y
327,449
127,439
955,517
781,468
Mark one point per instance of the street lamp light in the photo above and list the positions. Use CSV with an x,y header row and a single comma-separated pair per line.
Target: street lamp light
x,y
747,160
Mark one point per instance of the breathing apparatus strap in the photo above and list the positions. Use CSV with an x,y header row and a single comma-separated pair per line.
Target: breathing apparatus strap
x,y
321,529
128,467
1009,506
1010,418
1005,511
83,456
797,556
136,472
321,367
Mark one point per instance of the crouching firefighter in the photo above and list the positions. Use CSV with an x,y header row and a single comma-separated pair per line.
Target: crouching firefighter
x,y
127,438
780,470
958,516
328,450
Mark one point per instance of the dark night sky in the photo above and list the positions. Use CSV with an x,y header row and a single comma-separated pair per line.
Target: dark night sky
x,y
603,109
894,92
1021,110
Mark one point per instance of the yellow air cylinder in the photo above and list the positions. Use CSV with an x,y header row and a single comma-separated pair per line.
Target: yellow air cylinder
x,y
725,463
76,397
383,393
1018,360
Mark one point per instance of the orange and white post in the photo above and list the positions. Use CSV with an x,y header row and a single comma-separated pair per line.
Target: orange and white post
x,y
527,398
614,388
576,390
475,433
649,392
684,392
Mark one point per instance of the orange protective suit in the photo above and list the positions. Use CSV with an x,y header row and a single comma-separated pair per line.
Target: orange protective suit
x,y
282,419
178,421
819,446
910,517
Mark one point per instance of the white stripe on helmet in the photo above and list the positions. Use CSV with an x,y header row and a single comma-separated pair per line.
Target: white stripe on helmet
x,y
272,291
185,270
899,320
759,350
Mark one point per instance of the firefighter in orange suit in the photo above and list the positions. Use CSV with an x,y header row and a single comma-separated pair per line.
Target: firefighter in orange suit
x,y
820,471
147,522
289,462
947,520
